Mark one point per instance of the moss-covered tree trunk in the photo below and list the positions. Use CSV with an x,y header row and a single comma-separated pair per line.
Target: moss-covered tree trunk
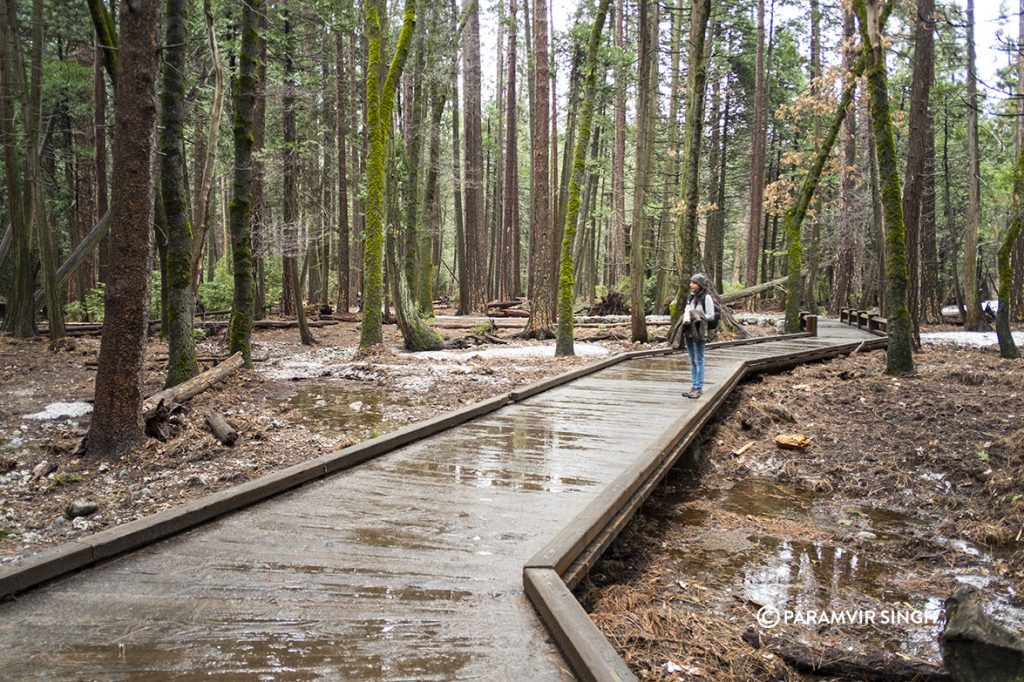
x,y
1007,346
566,280
181,364
687,254
381,84
798,211
900,351
244,100
416,335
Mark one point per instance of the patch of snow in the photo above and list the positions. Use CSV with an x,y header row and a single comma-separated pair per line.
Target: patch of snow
x,y
308,365
512,352
971,339
61,410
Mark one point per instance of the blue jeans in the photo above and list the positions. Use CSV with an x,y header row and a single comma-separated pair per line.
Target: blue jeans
x,y
696,352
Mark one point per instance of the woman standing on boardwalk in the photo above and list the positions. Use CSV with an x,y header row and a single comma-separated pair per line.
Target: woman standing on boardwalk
x,y
697,317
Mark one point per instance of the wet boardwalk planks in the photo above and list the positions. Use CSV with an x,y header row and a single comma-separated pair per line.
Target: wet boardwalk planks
x,y
406,567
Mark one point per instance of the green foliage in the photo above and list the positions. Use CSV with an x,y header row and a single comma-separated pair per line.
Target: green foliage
x,y
67,479
217,295
74,311
484,327
91,310
7,533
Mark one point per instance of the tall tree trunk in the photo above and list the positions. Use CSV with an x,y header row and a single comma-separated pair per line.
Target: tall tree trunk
x,y
381,84
259,212
510,206
849,224
1007,346
1017,256
900,357
290,205
116,424
715,162
617,239
181,364
244,101
37,203
645,113
100,156
917,149
496,170
540,323
757,158
344,272
687,251
795,215
566,280
201,202
668,270
811,285
464,305
415,111
476,265
973,320
19,319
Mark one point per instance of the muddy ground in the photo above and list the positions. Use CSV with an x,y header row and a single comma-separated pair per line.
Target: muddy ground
x,y
298,403
910,487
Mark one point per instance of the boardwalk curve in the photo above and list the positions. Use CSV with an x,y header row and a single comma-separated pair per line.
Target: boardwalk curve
x,y
409,566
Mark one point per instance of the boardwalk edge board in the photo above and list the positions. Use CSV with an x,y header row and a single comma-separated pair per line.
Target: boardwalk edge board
x,y
591,656
85,551
551,573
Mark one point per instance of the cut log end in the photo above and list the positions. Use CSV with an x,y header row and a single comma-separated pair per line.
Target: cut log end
x,y
220,428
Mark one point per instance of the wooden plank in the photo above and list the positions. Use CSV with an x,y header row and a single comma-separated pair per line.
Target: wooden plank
x,y
591,656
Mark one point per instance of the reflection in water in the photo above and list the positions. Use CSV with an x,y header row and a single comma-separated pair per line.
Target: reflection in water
x,y
801,576
515,452
335,409
290,656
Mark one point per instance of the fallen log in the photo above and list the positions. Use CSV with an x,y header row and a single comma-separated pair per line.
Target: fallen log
x,y
220,428
877,666
509,312
505,304
741,294
264,324
193,386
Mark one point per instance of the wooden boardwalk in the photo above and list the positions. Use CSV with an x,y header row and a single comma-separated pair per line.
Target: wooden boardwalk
x,y
409,566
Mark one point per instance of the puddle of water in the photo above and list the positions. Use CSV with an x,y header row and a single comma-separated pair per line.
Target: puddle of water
x,y
338,409
762,497
800,576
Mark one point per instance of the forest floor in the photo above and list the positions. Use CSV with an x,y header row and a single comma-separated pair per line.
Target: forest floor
x,y
298,403
910,487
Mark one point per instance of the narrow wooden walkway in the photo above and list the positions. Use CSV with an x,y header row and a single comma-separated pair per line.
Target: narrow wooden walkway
x,y
406,567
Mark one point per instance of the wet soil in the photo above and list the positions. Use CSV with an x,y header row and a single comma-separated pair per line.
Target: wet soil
x,y
910,487
298,403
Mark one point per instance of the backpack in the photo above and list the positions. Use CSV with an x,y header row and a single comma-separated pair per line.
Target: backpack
x,y
713,324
